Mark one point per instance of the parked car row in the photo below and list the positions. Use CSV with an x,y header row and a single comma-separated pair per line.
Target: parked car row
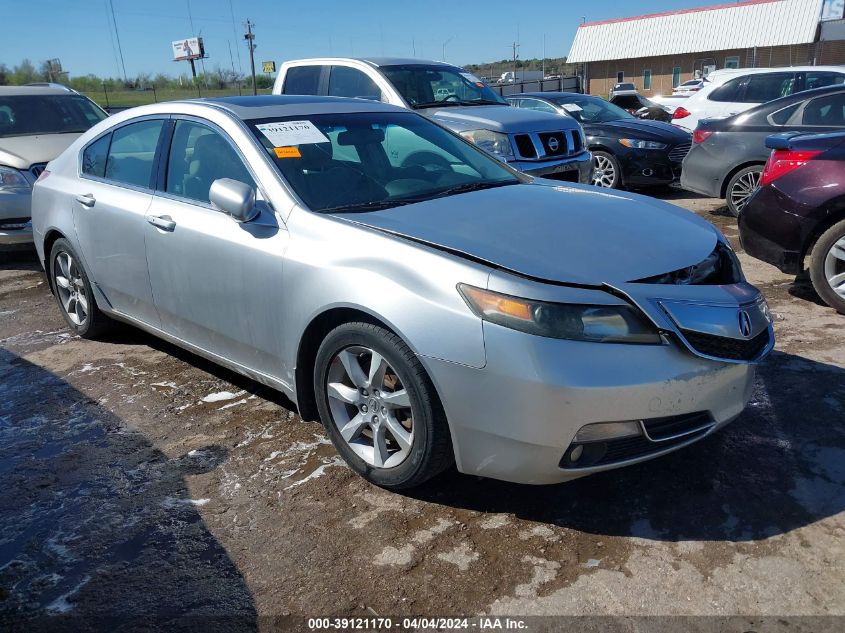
x,y
627,151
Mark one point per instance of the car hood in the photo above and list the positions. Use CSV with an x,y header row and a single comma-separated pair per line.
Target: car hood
x,y
641,128
21,152
502,118
570,234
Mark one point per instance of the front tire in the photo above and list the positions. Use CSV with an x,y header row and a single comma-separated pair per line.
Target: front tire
x,y
605,171
827,267
73,291
379,407
741,187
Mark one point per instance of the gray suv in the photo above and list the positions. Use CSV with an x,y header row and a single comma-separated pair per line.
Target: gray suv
x,y
536,143
36,125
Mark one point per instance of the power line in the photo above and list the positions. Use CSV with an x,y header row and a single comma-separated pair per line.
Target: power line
x,y
117,35
235,33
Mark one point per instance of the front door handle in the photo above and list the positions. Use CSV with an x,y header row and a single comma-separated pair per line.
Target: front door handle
x,y
163,222
86,200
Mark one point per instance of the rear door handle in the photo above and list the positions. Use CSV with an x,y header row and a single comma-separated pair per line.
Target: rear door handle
x,y
163,222
86,200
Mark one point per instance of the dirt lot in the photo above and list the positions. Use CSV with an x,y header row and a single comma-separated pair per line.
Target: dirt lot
x,y
138,479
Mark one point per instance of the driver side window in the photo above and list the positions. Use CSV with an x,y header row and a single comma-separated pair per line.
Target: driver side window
x,y
199,155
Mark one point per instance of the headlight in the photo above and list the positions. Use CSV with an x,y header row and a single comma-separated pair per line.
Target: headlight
x,y
494,143
12,179
595,323
636,143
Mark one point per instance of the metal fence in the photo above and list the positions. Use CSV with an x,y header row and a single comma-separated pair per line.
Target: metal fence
x,y
562,84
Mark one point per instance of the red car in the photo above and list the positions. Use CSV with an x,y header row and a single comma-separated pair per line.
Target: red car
x,y
799,211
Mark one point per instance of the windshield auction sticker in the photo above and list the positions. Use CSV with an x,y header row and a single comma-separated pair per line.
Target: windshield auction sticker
x,y
287,152
287,133
571,107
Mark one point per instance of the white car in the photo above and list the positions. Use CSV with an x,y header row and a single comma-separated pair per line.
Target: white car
x,y
623,89
689,87
729,92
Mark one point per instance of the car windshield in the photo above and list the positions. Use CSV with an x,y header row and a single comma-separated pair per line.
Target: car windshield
x,y
27,115
591,109
425,86
369,161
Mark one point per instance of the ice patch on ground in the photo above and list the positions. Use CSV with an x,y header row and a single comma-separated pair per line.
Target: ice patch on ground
x,y
220,396
62,604
232,404
462,556
172,502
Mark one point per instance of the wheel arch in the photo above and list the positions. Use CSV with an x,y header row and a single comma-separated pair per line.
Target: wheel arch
x,y
835,213
312,336
723,188
50,238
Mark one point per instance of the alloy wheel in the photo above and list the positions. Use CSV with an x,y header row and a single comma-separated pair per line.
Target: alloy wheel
x,y
834,267
370,406
743,188
604,172
70,287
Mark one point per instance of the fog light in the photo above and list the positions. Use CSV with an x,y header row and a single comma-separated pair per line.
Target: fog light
x,y
583,455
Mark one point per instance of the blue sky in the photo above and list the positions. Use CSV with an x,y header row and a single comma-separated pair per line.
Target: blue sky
x,y
81,33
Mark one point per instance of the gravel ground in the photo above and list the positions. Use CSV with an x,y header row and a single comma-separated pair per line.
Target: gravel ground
x,y
139,480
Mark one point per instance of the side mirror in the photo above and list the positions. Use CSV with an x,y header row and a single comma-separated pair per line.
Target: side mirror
x,y
233,198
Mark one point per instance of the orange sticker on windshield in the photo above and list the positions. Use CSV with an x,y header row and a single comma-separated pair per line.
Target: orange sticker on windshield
x,y
287,152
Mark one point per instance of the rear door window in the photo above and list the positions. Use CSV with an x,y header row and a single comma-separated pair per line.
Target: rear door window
x,y
730,92
132,153
826,111
302,80
536,104
768,86
820,79
351,82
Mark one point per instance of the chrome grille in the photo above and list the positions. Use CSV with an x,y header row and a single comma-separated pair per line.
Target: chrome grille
x,y
37,169
728,348
548,145
677,153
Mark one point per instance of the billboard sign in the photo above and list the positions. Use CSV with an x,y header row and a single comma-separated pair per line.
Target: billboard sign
x,y
188,48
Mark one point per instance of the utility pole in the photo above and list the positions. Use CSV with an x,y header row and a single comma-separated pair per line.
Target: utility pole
x,y
515,47
249,36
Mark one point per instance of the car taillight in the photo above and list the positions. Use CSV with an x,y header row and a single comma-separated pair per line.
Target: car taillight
x,y
680,113
42,176
699,135
783,161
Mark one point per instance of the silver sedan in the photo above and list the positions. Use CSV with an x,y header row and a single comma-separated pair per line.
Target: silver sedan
x,y
429,304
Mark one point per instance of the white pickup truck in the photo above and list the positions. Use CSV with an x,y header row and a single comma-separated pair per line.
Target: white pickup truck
x,y
537,143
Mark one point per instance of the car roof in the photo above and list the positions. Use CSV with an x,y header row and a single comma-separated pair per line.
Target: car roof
x,y
547,95
263,106
17,91
373,61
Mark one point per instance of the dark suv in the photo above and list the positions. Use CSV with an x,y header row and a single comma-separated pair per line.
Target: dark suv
x,y
799,210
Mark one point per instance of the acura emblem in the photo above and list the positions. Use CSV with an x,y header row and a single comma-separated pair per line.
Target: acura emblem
x,y
553,143
744,323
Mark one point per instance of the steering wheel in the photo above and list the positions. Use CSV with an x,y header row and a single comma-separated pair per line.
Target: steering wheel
x,y
452,98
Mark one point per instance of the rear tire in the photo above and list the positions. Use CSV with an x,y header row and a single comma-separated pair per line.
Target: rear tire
x,y
740,188
385,420
74,293
827,267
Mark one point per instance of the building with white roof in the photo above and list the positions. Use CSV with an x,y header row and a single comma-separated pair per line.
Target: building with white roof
x,y
658,52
